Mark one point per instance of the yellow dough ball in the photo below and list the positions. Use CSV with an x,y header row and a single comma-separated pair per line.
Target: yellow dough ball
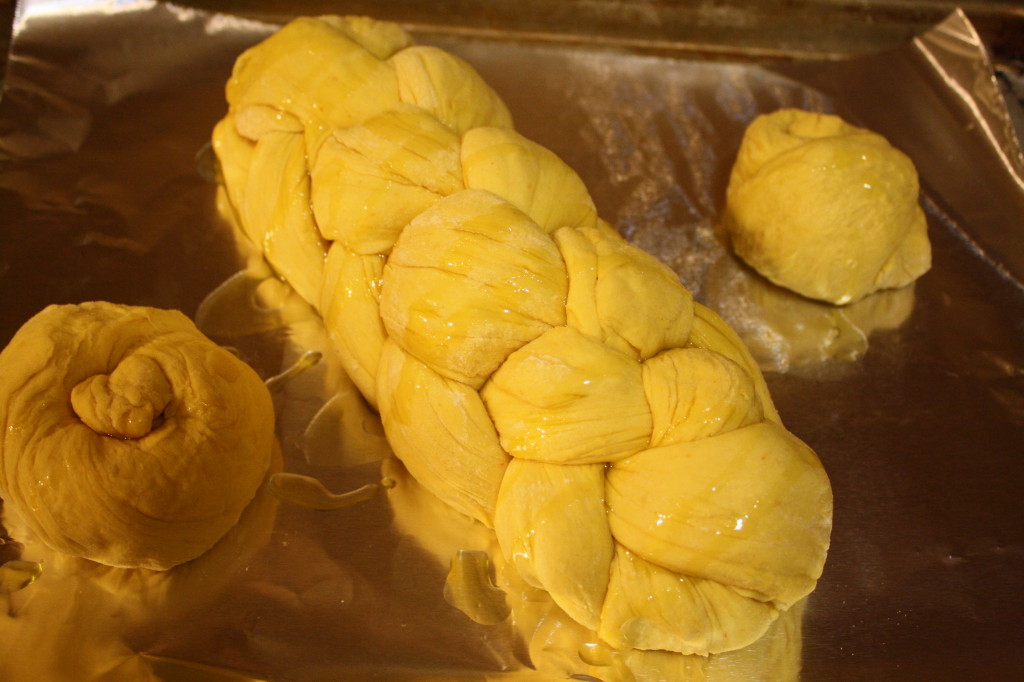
x,y
130,438
825,208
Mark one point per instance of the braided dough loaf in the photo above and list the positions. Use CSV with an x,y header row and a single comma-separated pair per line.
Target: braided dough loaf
x,y
129,437
531,368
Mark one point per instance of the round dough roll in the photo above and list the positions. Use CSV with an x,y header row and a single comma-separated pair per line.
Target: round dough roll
x,y
826,209
131,439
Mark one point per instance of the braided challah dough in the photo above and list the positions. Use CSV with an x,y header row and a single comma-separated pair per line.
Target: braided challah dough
x,y
531,368
130,438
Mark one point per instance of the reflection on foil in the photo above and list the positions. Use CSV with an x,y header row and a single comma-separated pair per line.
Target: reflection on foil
x,y
325,416
305,361
345,424
971,78
176,670
44,639
17,575
787,332
470,588
308,492
252,301
76,620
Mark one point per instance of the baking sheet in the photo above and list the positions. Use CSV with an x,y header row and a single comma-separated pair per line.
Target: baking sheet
x,y
915,402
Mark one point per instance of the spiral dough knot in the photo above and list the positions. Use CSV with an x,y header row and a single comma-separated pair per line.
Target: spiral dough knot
x,y
125,402
131,439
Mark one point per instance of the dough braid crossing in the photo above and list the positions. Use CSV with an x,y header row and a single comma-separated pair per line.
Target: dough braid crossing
x,y
531,368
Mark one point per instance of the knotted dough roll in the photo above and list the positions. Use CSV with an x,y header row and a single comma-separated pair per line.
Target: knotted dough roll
x,y
531,368
825,208
130,438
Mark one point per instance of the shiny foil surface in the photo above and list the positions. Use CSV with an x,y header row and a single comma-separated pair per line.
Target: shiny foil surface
x,y
913,399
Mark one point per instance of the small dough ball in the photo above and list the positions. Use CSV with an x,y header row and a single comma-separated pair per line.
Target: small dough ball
x,y
826,209
131,439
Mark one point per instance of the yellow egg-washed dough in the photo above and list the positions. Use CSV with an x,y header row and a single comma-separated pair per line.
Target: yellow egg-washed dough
x,y
531,368
824,208
129,437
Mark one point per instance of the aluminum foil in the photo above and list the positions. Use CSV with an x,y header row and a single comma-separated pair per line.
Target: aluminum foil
x,y
914,399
